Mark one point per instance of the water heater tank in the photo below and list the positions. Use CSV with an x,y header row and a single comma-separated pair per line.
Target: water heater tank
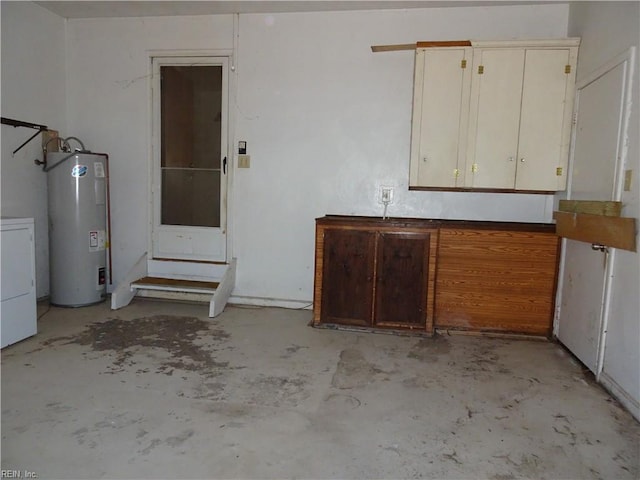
x,y
77,228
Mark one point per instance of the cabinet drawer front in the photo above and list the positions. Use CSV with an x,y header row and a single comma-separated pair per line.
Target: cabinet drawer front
x,y
348,271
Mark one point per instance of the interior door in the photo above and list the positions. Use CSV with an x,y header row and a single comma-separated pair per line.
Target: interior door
x,y
585,275
190,103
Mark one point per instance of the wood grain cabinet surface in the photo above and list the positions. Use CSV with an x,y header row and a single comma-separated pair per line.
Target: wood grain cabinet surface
x,y
375,274
420,275
496,280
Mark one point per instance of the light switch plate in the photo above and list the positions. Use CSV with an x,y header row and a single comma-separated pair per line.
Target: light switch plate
x,y
244,161
627,180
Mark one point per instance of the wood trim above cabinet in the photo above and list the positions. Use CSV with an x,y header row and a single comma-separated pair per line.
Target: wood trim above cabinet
x,y
480,190
446,43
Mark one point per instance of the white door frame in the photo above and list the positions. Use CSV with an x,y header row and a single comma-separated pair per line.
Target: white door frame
x,y
626,59
190,57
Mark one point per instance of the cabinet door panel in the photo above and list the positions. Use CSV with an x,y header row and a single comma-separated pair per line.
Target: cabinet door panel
x,y
541,147
495,117
440,116
497,281
402,279
347,292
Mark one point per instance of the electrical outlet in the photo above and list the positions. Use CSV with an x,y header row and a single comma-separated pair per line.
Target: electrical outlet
x,y
386,195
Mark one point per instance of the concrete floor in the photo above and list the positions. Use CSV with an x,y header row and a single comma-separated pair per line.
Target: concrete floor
x,y
158,390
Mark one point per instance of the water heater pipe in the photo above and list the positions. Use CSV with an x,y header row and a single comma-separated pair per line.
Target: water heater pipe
x,y
106,161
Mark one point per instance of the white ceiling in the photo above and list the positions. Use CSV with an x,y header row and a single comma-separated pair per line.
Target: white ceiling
x,y
145,8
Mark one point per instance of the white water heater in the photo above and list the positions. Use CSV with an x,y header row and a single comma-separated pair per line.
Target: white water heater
x,y
77,193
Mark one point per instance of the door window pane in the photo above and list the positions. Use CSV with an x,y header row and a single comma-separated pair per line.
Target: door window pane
x,y
186,195
191,126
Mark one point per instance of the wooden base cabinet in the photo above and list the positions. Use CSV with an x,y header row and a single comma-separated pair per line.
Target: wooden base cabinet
x,y
374,274
493,280
347,272
421,275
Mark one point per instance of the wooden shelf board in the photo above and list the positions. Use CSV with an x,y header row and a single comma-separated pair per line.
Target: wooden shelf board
x,y
616,232
592,207
174,285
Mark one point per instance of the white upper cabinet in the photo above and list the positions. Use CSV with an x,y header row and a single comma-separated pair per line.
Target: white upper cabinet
x,y
502,124
439,127
495,117
545,120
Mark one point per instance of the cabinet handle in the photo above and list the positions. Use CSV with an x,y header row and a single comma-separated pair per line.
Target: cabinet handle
x,y
424,159
522,160
511,159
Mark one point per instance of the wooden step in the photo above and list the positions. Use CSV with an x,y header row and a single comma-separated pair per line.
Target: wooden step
x,y
211,283
174,285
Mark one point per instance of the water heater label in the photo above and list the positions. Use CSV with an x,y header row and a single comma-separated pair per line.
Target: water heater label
x,y
78,171
98,170
102,278
97,240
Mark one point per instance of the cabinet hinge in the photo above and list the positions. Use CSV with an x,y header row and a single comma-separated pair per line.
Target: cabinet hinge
x,y
574,119
474,167
559,171
480,69
567,69
463,64
456,172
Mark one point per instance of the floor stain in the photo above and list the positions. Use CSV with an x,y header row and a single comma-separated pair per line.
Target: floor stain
x,y
174,334
277,390
291,350
178,440
429,349
353,370
340,400
154,443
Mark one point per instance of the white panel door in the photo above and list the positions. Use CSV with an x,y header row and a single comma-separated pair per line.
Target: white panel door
x,y
594,172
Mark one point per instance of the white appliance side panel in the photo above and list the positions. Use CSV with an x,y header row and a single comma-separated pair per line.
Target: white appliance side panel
x,y
16,255
18,313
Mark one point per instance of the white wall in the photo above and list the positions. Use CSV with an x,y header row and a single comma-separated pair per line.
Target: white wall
x,y
326,122
109,106
607,30
33,90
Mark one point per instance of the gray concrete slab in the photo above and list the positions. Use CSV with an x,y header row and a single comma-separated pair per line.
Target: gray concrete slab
x,y
159,390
